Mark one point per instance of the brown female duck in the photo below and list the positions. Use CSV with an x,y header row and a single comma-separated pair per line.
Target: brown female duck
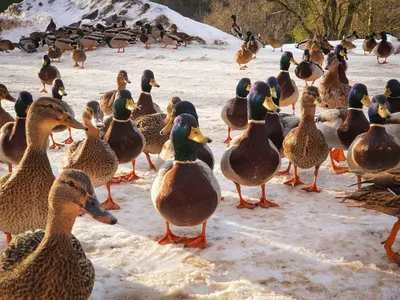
x,y
243,56
5,117
47,73
79,56
107,100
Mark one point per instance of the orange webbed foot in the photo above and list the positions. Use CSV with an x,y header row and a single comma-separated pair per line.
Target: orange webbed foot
x,y
55,145
264,203
294,181
170,238
245,204
109,204
312,188
131,176
69,140
197,242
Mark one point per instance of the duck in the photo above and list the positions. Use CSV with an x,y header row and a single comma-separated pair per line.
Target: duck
x,y
346,44
305,146
383,50
48,73
13,134
150,126
170,39
51,27
369,43
316,53
79,56
65,44
5,117
54,53
252,159
340,126
203,152
145,103
243,56
234,111
173,194
6,46
155,31
392,93
146,38
42,252
236,29
186,38
107,99
34,170
274,43
124,137
332,91
253,44
308,70
91,42
376,149
290,92
341,54
352,37
93,155
119,42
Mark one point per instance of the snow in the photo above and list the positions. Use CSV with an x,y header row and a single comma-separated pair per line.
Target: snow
x,y
311,247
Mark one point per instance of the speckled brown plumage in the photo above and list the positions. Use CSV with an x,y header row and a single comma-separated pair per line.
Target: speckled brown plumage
x,y
316,53
78,56
5,117
107,100
146,105
13,141
243,56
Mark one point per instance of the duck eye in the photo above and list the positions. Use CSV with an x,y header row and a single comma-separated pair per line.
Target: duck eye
x,y
70,183
50,106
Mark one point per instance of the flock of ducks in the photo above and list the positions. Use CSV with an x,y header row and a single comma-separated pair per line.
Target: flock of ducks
x,y
49,205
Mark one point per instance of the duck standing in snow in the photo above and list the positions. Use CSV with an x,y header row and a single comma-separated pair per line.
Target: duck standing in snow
x,y
170,39
392,92
308,70
384,49
51,27
54,53
369,43
79,56
5,117
107,100
236,29
6,46
243,56
48,73
290,92
340,52
352,37
175,196
253,44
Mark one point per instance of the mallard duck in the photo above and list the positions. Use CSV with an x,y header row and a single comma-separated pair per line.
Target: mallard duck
x,y
341,54
155,31
51,27
308,70
47,73
107,99
13,134
186,38
175,197
236,29
34,171
203,152
93,155
352,37
234,112
243,56
6,46
79,55
316,53
392,92
170,39
383,50
290,92
323,40
65,44
340,126
346,44
118,42
252,159
43,252
58,92
146,38
124,137
332,91
5,117
375,149
305,146
369,43
90,42
145,103
54,53
274,43
253,44
151,125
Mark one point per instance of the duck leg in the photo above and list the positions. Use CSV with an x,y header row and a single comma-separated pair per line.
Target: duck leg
x,y
293,110
109,204
165,46
44,89
198,242
306,83
9,168
54,145
170,238
151,165
243,203
132,175
228,139
8,237
76,65
69,140
264,203
337,155
83,65
295,180
285,172
313,187
392,256
358,182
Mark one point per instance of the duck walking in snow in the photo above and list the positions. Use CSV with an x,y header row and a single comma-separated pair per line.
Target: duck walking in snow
x,y
308,70
384,49
290,92
48,73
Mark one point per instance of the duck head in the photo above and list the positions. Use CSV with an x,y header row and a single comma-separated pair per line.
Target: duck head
x,y
58,89
286,60
358,96
260,101
243,87
306,55
123,105
340,51
384,36
233,17
311,98
46,61
275,89
184,135
4,94
148,81
123,77
332,62
23,103
392,89
93,114
378,111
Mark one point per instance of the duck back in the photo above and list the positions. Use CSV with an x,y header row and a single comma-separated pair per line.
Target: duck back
x,y
234,113
355,124
287,88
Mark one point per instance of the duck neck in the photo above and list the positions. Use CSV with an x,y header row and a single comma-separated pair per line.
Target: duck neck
x,y
332,76
284,67
307,116
185,151
121,84
92,131
256,129
61,219
37,132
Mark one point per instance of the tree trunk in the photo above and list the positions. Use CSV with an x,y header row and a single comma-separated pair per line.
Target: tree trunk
x,y
351,9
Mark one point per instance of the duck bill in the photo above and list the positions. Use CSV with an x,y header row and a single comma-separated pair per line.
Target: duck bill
x,y
94,209
70,121
293,62
319,102
383,111
248,88
129,104
273,92
196,136
126,79
342,53
153,83
168,127
366,101
387,92
62,92
10,98
270,105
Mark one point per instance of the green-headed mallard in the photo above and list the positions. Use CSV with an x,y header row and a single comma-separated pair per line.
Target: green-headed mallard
x,y
203,152
23,209
234,112
93,155
47,73
151,125
369,43
253,44
308,70
54,53
50,263
305,146
79,56
252,159
124,137
332,91
175,197
340,126
145,103
13,134
384,49
236,29
290,92
375,149
341,55
243,56
107,100
392,92
5,117
146,38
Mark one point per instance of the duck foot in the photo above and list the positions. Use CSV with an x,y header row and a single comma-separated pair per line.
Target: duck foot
x,y
228,139
285,172
312,188
8,237
76,65
169,237
337,155
295,180
43,90
197,242
264,203
69,140
243,203
117,179
9,168
131,176
109,204
392,256
151,165
55,145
